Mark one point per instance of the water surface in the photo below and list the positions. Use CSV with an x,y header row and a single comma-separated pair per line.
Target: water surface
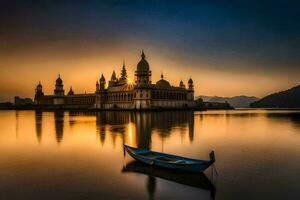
x,y
79,155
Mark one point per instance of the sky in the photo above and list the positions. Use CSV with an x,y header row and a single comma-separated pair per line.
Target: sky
x,y
227,47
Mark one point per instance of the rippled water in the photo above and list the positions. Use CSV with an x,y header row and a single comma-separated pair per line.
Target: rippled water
x,y
79,155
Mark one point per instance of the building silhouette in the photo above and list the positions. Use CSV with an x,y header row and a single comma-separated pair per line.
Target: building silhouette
x,y
121,93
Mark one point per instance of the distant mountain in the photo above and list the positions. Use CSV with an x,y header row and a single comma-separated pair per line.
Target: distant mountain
x,y
285,99
236,101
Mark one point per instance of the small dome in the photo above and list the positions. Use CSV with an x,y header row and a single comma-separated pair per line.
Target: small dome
x,y
181,84
59,81
143,65
190,81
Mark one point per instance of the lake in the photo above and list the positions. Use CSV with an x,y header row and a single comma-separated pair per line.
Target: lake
x,y
79,155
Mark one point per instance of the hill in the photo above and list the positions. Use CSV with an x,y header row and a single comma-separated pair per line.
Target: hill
x,y
285,99
236,101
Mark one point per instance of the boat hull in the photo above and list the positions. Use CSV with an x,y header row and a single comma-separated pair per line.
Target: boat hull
x,y
159,159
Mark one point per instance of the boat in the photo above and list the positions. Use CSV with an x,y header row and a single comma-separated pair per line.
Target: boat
x,y
169,161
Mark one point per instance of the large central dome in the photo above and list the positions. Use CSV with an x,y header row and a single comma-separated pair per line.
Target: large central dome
x,y
58,80
143,65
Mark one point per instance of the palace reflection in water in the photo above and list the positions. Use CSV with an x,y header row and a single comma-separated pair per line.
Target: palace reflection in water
x,y
134,128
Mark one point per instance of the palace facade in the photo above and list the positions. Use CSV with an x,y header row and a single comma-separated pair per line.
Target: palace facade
x,y
121,93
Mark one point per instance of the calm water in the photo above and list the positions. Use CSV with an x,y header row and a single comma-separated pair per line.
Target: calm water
x,y
79,155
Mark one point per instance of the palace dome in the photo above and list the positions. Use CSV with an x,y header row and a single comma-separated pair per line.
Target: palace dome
x,y
162,82
58,80
143,65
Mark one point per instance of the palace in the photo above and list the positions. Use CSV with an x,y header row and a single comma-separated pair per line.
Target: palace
x,y
121,93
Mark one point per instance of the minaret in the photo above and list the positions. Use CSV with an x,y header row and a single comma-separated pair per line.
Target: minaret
x,y
190,90
191,85
123,78
142,93
143,73
102,83
101,93
39,90
59,87
113,76
38,93
113,79
97,87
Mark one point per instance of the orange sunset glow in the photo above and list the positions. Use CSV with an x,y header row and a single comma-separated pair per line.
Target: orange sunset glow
x,y
81,70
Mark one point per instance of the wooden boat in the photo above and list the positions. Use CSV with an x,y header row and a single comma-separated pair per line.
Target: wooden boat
x,y
170,161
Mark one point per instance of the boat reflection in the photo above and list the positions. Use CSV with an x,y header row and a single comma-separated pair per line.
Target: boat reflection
x,y
198,180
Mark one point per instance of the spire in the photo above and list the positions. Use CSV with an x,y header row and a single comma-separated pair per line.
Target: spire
x,y
113,76
124,72
162,76
102,82
143,55
190,83
102,77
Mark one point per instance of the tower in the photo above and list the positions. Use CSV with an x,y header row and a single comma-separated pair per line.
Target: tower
x,y
59,92
190,90
181,84
142,92
59,87
97,87
102,83
113,80
100,90
123,78
143,73
39,90
38,93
